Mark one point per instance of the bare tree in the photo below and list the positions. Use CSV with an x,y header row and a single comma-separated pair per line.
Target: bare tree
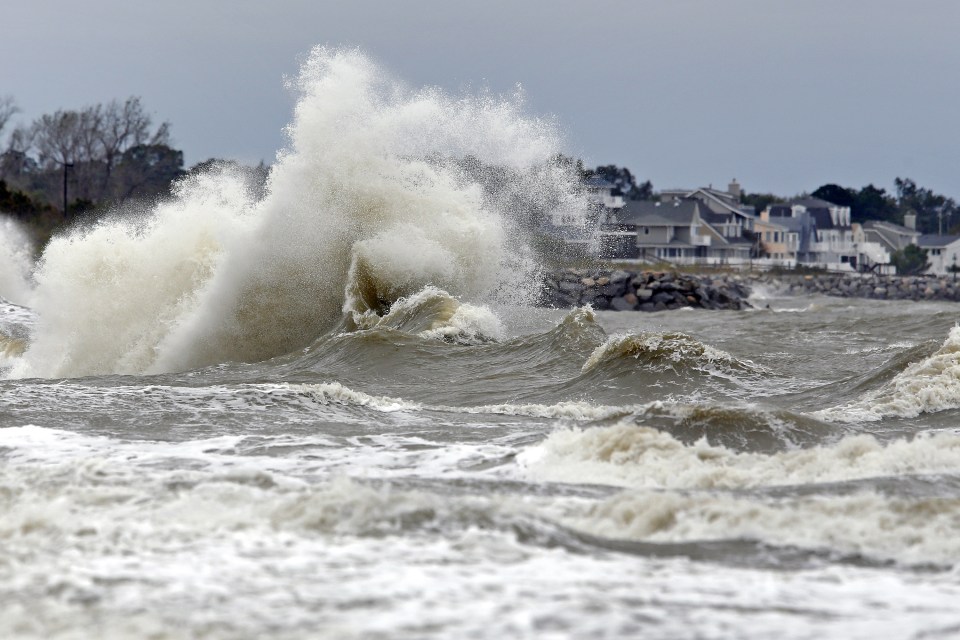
x,y
15,162
125,126
79,151
57,137
8,108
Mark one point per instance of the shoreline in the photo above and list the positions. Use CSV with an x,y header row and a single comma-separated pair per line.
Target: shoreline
x,y
621,290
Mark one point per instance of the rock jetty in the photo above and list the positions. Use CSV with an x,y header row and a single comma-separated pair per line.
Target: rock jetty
x,y
853,285
643,291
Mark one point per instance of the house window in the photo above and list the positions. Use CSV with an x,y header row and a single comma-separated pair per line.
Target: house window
x,y
646,231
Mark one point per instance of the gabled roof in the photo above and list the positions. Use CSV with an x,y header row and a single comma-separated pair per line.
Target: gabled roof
x,y
933,241
892,235
882,225
721,198
654,214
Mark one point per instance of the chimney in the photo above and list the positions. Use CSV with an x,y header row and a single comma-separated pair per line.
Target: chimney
x,y
910,221
734,189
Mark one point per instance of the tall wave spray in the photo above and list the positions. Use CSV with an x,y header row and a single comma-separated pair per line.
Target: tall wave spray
x,y
381,192
16,262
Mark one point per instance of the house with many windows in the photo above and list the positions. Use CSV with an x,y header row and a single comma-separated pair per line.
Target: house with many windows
x,y
827,229
681,231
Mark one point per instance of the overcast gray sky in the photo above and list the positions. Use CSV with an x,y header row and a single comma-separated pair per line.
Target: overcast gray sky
x,y
782,95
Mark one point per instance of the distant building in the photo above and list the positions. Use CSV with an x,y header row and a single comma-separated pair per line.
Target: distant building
x,y
725,203
602,192
892,236
831,238
943,252
682,231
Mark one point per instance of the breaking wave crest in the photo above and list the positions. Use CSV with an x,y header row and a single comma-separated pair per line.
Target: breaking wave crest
x,y
381,193
435,314
634,456
654,366
663,351
927,386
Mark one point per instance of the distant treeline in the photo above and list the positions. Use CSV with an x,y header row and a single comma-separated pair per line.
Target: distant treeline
x,y
97,157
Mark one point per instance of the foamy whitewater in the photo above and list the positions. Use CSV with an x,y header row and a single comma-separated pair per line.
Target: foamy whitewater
x,y
330,409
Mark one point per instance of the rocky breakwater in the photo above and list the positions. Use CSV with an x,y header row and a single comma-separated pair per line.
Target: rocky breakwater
x,y
926,287
643,291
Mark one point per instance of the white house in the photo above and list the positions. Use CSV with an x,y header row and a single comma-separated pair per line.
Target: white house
x,y
943,252
603,193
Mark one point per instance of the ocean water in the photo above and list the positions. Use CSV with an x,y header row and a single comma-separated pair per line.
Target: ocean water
x,y
333,411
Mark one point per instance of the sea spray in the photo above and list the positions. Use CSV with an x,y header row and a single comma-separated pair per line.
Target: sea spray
x,y
374,199
16,262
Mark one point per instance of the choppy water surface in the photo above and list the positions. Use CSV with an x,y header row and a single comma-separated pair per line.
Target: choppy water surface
x,y
686,474
321,414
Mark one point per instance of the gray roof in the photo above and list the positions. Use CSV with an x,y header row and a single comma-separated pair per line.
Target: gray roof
x,y
818,209
597,182
654,214
889,226
934,241
823,219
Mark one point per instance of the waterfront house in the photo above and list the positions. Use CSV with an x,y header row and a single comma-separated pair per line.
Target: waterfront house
x,y
832,244
682,231
603,193
943,252
893,237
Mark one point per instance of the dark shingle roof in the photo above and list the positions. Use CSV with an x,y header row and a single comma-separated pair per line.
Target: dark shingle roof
x,y
934,241
655,214
596,182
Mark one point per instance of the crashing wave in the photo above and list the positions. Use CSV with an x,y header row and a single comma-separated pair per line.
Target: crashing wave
x,y
434,314
927,386
371,202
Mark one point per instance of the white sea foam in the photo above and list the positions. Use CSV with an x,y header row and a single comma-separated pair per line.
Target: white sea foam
x,y
633,456
16,263
908,530
927,386
573,410
334,392
369,203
